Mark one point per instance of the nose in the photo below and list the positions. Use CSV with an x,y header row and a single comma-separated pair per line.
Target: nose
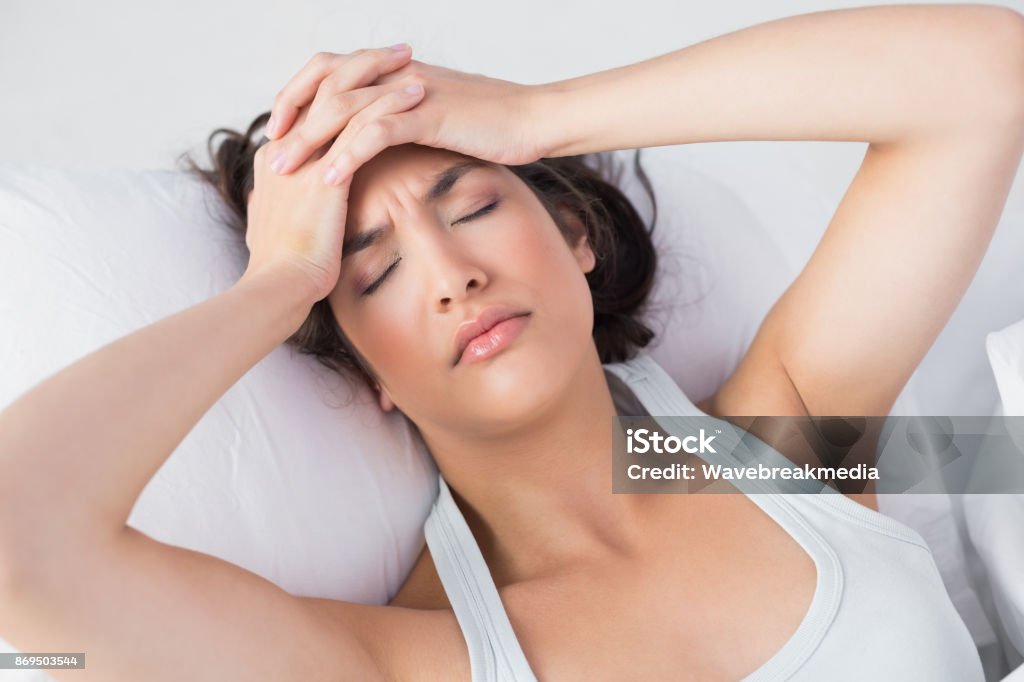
x,y
452,271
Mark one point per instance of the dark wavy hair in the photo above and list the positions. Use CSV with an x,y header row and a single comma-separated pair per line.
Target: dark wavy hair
x,y
584,185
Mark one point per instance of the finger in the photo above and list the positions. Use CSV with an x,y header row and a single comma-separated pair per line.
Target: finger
x,y
383,124
364,68
273,152
400,73
298,92
303,87
401,97
328,114
336,101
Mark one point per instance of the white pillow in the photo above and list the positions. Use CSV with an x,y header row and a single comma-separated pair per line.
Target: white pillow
x,y
995,521
1006,354
322,501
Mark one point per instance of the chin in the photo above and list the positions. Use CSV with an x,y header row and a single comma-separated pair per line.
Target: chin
x,y
515,386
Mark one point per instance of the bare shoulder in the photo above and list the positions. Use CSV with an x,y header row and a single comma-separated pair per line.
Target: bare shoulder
x,y
414,637
135,603
408,643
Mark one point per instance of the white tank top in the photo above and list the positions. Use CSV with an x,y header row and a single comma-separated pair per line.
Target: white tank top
x,y
880,610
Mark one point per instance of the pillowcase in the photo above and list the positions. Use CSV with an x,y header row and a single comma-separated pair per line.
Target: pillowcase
x,y
288,475
1005,350
995,521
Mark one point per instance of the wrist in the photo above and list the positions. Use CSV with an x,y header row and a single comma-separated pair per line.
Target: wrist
x,y
285,288
550,119
561,116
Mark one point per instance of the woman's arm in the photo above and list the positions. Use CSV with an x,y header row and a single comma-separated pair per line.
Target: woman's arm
x,y
873,74
78,448
936,90
75,453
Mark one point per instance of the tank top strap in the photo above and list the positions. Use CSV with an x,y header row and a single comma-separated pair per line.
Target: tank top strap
x,y
652,387
667,404
641,387
663,400
494,651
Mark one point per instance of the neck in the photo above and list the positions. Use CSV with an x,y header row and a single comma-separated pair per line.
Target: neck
x,y
540,497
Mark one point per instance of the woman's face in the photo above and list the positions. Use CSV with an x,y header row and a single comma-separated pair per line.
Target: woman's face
x,y
479,238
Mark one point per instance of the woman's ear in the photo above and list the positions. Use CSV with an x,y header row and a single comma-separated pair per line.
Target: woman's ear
x,y
384,398
580,244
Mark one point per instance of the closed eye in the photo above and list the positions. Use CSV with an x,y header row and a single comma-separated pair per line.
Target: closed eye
x,y
472,216
482,212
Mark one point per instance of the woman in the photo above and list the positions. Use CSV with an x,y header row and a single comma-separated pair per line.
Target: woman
x,y
598,586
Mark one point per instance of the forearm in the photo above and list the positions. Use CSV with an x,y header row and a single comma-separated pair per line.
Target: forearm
x,y
875,74
77,449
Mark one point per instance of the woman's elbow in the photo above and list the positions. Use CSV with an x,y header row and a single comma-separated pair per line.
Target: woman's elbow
x,y
1003,36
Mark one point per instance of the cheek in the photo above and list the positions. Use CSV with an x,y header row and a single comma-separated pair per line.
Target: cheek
x,y
527,255
384,340
393,340
532,243
548,267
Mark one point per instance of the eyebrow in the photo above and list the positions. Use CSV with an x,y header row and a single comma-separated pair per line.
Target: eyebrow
x,y
443,183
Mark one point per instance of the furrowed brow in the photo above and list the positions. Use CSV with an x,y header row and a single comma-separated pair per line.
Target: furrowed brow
x,y
442,184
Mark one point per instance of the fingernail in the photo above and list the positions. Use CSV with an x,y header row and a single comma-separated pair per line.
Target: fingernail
x,y
331,176
278,163
271,127
399,47
414,89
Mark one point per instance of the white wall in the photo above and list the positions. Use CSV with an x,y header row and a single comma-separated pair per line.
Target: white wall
x,y
123,83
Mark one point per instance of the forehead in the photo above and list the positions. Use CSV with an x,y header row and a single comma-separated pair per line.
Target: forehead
x,y
429,173
409,165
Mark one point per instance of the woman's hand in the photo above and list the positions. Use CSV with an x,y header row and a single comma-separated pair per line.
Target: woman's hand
x,y
483,117
296,223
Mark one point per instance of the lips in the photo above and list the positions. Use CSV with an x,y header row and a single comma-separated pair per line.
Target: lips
x,y
488,318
